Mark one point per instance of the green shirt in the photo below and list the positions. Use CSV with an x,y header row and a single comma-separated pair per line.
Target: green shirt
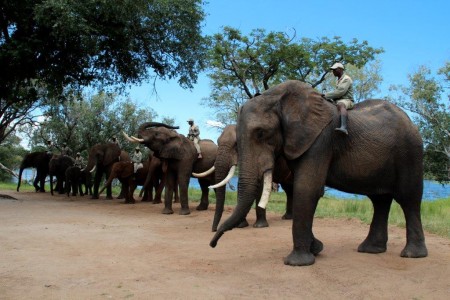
x,y
344,89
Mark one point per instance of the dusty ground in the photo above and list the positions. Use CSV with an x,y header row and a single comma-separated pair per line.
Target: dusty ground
x,y
77,248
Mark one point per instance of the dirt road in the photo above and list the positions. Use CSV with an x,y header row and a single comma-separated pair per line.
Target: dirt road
x,y
78,248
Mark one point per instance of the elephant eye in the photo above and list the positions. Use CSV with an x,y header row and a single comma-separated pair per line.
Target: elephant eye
x,y
260,134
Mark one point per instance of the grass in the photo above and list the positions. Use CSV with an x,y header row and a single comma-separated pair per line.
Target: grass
x,y
435,214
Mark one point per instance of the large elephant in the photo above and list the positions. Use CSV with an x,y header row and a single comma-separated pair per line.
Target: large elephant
x,y
124,171
227,158
40,161
57,167
75,179
381,158
179,158
101,158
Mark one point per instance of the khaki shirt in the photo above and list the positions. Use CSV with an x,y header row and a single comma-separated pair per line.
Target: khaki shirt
x,y
194,132
137,157
344,89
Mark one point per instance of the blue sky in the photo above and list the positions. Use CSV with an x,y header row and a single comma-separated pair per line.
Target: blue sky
x,y
412,33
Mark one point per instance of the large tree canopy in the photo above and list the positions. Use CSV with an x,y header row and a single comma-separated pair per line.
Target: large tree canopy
x,y
47,46
428,98
241,66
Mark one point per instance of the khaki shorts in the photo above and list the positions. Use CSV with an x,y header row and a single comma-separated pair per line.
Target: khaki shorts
x,y
348,103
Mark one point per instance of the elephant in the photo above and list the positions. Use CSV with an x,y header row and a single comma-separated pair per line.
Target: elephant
x,y
156,180
382,158
76,178
179,158
124,171
39,160
227,157
101,158
57,167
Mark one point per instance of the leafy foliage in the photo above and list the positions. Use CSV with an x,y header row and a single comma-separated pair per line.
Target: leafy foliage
x,y
49,47
95,119
241,66
428,98
11,155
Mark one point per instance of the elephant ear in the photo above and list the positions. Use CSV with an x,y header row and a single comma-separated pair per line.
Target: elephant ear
x,y
174,148
304,115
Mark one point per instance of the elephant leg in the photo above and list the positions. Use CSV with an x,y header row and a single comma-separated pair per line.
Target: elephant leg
x,y
129,191
261,220
170,181
158,191
415,239
377,238
288,189
204,201
97,178
308,191
35,182
184,201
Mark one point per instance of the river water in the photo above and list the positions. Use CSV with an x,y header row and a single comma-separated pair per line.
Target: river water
x,y
432,190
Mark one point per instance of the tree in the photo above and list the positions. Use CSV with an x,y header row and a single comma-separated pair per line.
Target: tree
x,y
50,47
11,155
241,66
94,119
427,97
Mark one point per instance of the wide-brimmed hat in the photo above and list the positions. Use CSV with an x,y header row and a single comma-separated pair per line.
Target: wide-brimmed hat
x,y
337,66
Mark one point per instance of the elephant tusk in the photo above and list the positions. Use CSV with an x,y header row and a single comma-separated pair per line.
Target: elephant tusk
x,y
93,169
226,179
204,174
137,140
132,139
267,188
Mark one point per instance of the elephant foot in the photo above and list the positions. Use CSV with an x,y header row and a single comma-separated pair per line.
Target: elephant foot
x,y
202,206
316,247
145,200
243,224
167,211
94,197
129,201
176,201
299,258
185,211
109,198
261,224
414,250
372,247
286,216
157,201
119,197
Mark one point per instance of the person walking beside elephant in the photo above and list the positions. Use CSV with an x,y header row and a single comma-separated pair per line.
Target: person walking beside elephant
x,y
136,159
194,135
342,95
79,161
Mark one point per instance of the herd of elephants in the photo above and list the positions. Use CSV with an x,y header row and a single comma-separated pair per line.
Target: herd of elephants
x,y
285,135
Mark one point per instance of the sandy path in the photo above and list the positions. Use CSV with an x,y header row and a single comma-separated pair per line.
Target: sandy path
x,y
77,248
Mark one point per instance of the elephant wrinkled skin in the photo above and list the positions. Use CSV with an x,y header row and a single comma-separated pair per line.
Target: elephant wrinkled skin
x,y
40,161
101,158
227,157
382,158
179,158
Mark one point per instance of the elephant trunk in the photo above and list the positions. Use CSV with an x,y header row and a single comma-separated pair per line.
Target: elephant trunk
x,y
248,189
146,125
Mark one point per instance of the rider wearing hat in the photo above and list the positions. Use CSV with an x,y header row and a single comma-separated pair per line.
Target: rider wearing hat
x,y
194,135
342,95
